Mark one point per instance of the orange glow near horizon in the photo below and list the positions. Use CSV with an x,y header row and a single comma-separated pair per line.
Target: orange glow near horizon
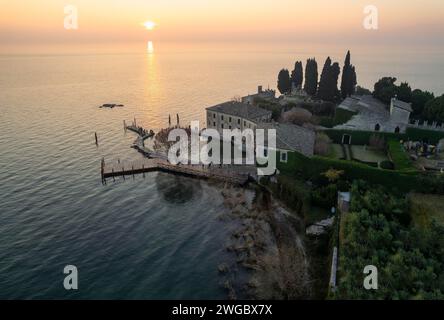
x,y
331,21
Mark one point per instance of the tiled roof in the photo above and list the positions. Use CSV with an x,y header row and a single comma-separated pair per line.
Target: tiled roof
x,y
402,105
292,137
239,109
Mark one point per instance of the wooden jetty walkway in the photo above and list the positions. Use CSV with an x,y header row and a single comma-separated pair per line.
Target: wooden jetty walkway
x,y
143,133
223,174
238,175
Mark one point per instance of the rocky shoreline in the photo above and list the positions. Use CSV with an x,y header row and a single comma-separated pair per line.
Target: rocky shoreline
x,y
271,261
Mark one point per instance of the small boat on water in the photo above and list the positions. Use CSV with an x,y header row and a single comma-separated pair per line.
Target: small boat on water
x,y
111,105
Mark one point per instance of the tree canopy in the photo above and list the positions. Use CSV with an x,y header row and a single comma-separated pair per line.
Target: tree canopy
x,y
434,109
419,100
284,82
378,232
311,77
297,75
404,92
328,84
349,79
385,89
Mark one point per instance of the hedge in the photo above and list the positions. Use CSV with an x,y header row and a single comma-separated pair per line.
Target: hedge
x,y
309,168
341,116
360,137
430,136
363,137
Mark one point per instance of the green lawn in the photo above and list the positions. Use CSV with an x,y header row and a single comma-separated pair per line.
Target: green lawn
x,y
425,208
336,151
367,154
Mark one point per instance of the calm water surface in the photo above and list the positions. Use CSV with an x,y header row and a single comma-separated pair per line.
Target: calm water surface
x,y
157,237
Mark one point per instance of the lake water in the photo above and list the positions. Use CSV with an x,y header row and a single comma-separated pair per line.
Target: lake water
x,y
157,237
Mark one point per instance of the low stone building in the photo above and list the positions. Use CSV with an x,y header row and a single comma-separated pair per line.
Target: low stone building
x,y
267,94
236,115
290,138
373,115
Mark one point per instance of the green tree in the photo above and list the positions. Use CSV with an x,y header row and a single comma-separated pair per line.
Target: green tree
x,y
404,92
349,80
385,89
419,100
328,84
311,77
434,109
284,82
360,91
297,75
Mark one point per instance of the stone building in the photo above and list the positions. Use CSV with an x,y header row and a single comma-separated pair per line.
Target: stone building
x,y
373,115
236,115
261,94
290,138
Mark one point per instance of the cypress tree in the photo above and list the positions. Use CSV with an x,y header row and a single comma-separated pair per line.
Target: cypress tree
x,y
284,82
323,91
311,77
348,82
297,75
328,85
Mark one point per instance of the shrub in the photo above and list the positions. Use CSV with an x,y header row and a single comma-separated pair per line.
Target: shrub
x,y
322,144
324,197
297,116
387,165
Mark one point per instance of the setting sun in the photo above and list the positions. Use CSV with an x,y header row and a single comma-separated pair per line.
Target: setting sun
x,y
149,25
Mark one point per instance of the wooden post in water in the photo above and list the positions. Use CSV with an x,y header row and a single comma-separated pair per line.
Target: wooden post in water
x,y
124,125
177,115
102,169
97,139
135,123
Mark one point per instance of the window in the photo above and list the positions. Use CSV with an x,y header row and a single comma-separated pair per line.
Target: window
x,y
229,119
214,116
238,121
229,127
265,152
222,118
377,127
222,126
283,156
214,123
245,123
397,130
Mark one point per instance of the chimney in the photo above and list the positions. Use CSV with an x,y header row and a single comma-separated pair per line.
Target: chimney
x,y
259,89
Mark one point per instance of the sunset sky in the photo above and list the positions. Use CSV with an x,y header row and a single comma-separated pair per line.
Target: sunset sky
x,y
24,22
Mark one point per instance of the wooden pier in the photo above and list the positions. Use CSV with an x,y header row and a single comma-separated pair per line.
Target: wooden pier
x,y
143,133
154,161
223,174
